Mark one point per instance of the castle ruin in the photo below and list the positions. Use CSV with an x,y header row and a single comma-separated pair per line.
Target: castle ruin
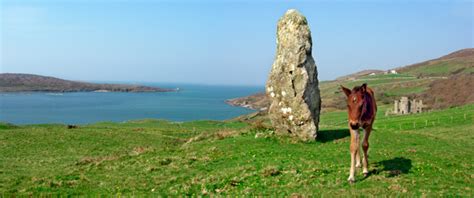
x,y
406,106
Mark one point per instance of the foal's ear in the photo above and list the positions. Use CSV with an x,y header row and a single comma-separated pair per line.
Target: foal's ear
x,y
363,87
346,91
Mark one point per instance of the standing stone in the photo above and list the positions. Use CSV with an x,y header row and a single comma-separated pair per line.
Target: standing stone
x,y
293,85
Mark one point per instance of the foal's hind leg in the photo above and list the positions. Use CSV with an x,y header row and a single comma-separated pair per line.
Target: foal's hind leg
x,y
365,146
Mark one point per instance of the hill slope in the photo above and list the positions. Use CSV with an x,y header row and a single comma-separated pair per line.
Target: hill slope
x,y
29,82
422,80
428,154
458,62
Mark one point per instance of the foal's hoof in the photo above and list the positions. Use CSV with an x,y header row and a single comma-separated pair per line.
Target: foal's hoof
x,y
366,173
351,180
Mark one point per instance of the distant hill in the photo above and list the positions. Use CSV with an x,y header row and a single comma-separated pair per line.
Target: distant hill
x,y
10,82
458,62
453,91
442,82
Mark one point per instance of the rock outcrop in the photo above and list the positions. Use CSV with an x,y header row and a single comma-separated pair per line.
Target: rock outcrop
x,y
293,85
257,102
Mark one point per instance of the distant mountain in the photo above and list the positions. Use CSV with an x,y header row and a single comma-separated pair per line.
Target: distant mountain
x,y
442,82
10,82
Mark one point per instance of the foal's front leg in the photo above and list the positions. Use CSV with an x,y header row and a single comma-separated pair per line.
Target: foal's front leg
x,y
358,153
354,150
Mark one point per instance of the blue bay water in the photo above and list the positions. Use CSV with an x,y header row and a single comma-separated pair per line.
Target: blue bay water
x,y
192,102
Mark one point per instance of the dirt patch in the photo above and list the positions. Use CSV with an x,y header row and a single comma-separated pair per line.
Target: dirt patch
x,y
138,129
226,133
139,150
96,160
271,171
197,138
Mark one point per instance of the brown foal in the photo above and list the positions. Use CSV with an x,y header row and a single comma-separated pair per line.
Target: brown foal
x,y
361,110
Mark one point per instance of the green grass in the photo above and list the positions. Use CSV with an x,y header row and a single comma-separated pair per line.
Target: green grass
x,y
403,91
425,154
442,68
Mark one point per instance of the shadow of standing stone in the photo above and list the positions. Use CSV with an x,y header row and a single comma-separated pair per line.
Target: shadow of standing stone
x,y
332,135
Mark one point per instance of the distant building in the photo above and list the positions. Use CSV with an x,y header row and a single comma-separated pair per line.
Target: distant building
x,y
406,106
392,71
372,74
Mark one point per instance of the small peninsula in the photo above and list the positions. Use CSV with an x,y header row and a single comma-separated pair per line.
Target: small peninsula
x,y
12,82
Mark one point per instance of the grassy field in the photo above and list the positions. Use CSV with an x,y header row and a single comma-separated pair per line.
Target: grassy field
x,y
425,154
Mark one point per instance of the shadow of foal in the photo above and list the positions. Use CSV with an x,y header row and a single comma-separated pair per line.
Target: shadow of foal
x,y
392,167
331,135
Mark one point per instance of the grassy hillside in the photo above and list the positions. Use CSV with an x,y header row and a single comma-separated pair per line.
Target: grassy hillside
x,y
425,154
423,80
458,62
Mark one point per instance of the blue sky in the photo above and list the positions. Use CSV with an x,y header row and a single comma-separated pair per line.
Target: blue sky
x,y
220,42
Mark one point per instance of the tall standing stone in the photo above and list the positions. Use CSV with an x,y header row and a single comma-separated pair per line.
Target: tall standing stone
x,y
293,85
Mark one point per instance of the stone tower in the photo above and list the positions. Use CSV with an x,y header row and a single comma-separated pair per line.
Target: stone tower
x,y
404,106
396,108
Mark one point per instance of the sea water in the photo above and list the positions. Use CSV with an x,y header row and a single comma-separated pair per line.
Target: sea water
x,y
191,102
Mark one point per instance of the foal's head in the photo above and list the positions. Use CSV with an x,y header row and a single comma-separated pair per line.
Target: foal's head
x,y
355,104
